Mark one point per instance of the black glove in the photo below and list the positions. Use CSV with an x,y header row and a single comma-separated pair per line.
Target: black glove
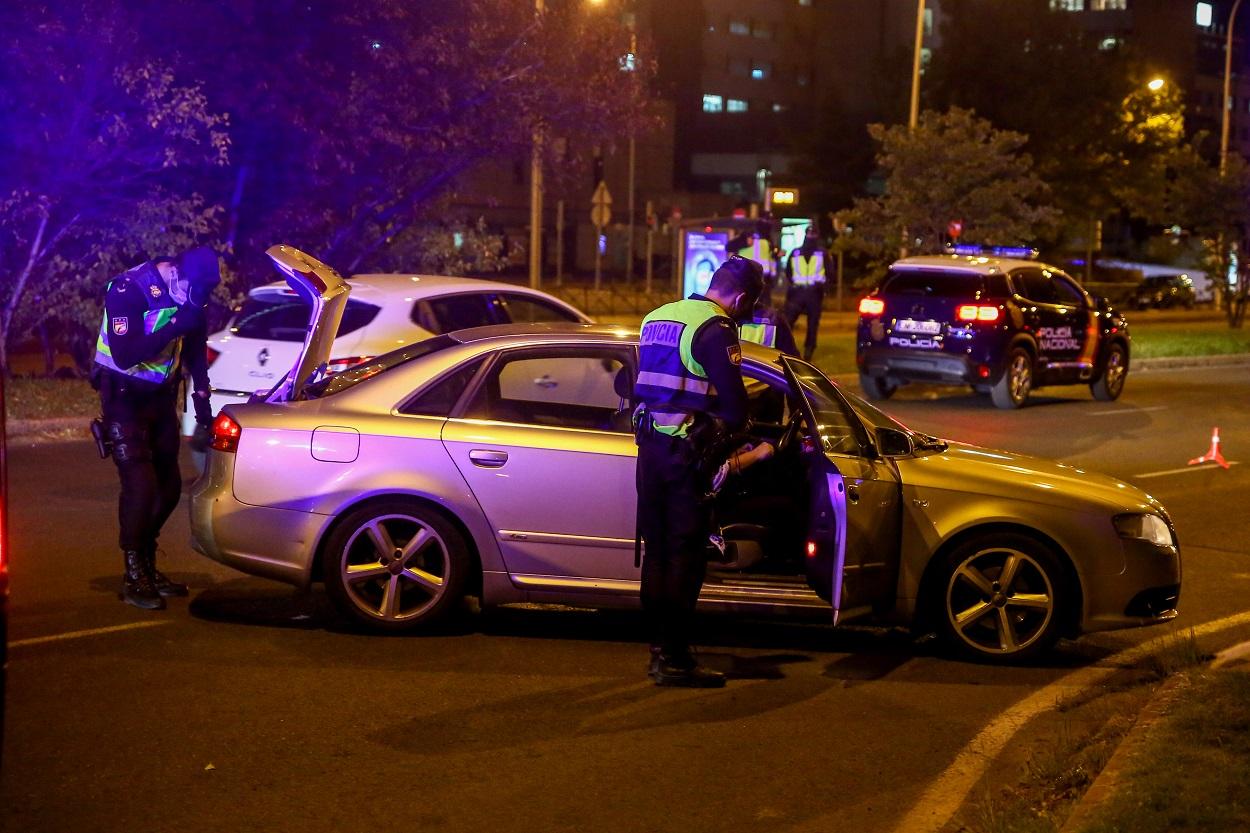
x,y
187,319
203,408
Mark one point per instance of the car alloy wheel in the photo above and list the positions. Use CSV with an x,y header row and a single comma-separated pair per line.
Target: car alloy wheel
x,y
1001,598
393,566
1013,388
1115,370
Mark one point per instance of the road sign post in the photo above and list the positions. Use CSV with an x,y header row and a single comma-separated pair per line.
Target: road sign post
x,y
600,216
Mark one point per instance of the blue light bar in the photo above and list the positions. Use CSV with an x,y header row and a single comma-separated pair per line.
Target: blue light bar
x,y
1024,252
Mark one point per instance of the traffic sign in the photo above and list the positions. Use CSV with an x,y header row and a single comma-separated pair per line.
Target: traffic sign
x,y
601,206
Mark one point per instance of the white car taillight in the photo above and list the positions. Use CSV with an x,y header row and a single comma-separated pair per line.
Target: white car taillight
x,y
339,365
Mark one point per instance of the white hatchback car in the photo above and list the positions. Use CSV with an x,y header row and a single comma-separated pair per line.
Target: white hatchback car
x,y
265,336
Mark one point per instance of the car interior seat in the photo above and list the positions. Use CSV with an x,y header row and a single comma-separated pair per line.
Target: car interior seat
x,y
623,384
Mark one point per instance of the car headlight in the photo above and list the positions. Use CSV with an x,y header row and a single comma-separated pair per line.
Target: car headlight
x,y
1150,528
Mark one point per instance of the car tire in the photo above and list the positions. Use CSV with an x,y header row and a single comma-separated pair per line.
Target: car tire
x,y
984,618
1012,390
877,387
395,566
1108,386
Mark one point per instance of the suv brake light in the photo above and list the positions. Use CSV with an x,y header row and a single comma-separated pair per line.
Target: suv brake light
x,y
972,312
339,365
212,355
226,434
871,306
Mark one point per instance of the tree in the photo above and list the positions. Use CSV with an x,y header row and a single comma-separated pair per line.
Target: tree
x,y
954,166
95,134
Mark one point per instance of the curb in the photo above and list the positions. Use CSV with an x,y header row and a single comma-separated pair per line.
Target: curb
x,y
28,427
1184,362
1108,781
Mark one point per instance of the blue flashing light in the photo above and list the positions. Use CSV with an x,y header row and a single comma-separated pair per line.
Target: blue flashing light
x,y
1023,252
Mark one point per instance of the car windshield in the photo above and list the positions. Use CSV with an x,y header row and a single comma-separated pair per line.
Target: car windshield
x,y
340,382
933,283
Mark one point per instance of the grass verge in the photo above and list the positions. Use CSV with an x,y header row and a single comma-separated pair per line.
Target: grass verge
x,y
1196,338
1194,770
28,398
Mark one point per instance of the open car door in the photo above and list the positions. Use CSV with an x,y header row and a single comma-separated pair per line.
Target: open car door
x,y
325,291
852,550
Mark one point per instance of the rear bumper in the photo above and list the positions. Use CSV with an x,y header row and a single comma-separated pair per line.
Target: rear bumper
x,y
925,366
260,540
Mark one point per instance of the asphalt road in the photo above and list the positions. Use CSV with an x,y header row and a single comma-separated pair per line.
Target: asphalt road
x,y
250,708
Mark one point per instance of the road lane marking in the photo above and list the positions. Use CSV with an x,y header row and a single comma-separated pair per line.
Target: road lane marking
x,y
946,795
60,637
1115,411
1184,470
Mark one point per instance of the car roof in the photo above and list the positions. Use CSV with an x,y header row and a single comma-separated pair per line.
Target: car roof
x,y
980,264
388,287
562,332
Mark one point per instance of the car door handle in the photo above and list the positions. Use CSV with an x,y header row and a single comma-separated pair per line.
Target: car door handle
x,y
852,494
545,381
488,459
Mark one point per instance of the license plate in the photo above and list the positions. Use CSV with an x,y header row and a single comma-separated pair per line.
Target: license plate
x,y
910,325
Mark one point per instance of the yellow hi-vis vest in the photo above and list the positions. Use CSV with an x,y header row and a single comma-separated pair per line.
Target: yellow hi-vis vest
x,y
761,251
807,271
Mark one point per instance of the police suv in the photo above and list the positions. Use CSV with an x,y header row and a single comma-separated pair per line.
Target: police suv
x,y
991,319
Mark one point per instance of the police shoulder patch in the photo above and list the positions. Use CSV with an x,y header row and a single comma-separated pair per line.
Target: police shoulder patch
x,y
155,290
735,353
121,326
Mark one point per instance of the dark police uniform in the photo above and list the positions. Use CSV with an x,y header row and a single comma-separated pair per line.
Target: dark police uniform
x,y
806,294
689,375
144,339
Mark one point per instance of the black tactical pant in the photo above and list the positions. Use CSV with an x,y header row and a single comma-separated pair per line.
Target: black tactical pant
x,y
141,423
807,301
674,518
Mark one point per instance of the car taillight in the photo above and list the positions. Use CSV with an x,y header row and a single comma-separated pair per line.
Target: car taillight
x,y
972,312
339,365
212,355
226,433
871,306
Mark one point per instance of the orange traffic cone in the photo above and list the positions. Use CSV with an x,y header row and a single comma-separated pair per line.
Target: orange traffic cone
x,y
1214,455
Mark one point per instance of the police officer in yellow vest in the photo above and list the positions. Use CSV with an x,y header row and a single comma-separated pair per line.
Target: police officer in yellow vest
x,y
690,386
154,325
806,293
760,249
768,327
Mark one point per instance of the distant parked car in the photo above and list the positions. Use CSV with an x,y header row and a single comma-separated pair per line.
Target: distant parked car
x,y
1165,292
262,340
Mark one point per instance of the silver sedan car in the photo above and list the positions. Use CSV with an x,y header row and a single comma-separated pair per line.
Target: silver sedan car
x,y
499,462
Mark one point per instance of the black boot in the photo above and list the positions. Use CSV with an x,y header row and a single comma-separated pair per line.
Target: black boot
x,y
137,586
684,672
164,585
653,667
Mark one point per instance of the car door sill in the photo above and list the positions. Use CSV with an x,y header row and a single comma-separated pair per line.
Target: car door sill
x,y
756,591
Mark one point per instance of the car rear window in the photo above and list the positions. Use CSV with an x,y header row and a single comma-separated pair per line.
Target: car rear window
x,y
282,317
454,312
933,283
340,382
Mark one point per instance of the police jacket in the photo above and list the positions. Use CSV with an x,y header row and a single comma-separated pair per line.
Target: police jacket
x,y
144,334
689,365
769,328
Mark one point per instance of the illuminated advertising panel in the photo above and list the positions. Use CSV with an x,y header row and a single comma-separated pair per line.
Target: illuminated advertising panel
x,y
793,230
705,251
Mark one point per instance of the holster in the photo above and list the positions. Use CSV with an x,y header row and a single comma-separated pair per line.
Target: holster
x,y
102,443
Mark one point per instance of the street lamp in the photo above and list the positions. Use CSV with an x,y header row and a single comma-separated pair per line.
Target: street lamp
x,y
536,196
1228,75
914,114
1156,84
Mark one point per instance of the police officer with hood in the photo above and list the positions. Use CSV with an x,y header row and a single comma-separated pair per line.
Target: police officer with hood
x,y
691,392
806,295
154,327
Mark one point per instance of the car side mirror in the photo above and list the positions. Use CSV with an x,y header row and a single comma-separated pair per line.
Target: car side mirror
x,y
893,443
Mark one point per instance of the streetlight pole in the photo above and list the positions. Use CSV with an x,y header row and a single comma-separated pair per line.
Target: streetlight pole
x,y
914,114
536,196
1228,79
629,259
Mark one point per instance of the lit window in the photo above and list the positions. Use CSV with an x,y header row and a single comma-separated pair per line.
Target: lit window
x,y
737,105
1108,5
778,107
713,103
739,27
1204,14
629,62
761,70
762,30
1068,5
1109,43
928,23
926,57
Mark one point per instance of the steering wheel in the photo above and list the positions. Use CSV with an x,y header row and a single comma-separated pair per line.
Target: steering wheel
x,y
790,432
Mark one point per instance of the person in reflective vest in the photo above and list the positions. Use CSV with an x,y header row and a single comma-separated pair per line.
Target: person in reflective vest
x,y
154,324
768,327
689,386
806,293
760,249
